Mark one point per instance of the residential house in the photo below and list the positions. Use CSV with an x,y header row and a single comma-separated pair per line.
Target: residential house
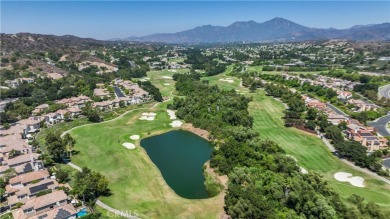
x,y
38,205
336,119
22,195
31,125
344,95
26,179
363,106
366,138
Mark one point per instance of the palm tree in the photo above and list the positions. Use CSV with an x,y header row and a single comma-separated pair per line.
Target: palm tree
x,y
69,141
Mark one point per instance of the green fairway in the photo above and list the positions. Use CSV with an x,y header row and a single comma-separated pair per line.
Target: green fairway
x,y
160,80
309,150
135,182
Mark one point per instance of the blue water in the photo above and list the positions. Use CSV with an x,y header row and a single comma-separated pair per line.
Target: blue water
x,y
81,213
180,156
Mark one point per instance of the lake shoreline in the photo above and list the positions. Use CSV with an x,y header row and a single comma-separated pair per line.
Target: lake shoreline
x,y
199,132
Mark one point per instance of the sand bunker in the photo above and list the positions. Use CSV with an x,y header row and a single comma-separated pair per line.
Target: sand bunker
x,y
303,170
229,80
176,123
167,84
347,177
172,70
167,77
148,116
129,145
134,137
172,114
144,79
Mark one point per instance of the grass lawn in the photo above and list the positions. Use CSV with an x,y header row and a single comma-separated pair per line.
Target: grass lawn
x,y
135,182
107,214
6,216
157,79
310,151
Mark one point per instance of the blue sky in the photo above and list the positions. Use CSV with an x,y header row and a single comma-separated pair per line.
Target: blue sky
x,y
118,19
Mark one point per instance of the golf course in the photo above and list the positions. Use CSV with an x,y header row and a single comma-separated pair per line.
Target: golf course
x,y
309,150
137,184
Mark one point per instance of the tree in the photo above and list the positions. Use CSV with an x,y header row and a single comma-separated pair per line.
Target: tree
x,y
253,87
70,142
62,176
334,133
67,116
90,185
55,146
93,116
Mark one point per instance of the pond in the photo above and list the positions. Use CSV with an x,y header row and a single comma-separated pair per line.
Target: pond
x,y
180,156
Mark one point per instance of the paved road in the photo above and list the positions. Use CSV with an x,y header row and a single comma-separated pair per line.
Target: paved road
x,y
384,91
349,163
336,110
4,102
386,163
381,125
112,211
118,92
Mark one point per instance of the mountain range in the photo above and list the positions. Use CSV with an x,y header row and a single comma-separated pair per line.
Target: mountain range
x,y
277,29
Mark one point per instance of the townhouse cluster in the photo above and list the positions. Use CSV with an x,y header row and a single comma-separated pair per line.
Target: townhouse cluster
x,y
38,195
324,81
18,81
356,131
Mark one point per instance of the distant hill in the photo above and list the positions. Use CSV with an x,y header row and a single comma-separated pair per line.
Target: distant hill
x,y
25,42
29,42
277,29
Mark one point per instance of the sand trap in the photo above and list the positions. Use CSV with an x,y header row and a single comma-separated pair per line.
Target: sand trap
x,y
347,177
134,137
229,80
172,114
129,145
167,84
167,77
176,123
172,70
144,79
303,170
148,116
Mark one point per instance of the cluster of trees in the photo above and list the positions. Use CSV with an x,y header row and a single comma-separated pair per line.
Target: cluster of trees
x,y
209,63
91,113
352,150
89,185
294,114
151,89
263,181
293,68
208,106
57,147
127,69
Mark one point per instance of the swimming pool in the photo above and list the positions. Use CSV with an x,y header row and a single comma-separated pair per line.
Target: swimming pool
x,y
82,213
